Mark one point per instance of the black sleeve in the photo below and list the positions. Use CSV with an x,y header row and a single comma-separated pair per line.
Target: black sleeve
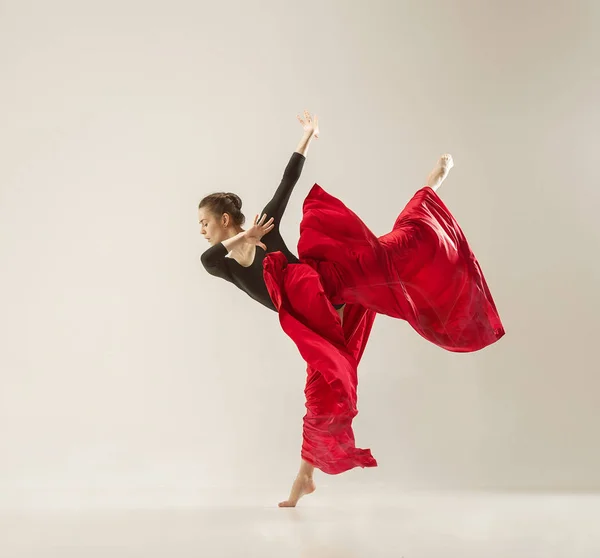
x,y
214,262
276,207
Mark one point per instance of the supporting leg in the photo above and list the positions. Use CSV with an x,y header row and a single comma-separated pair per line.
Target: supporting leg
x,y
304,484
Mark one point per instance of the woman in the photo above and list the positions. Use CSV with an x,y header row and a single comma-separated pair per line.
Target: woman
x,y
423,272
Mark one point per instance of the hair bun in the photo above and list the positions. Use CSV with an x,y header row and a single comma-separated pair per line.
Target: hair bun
x,y
235,200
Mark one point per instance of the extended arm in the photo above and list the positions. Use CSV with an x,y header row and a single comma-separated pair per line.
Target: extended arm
x,y
276,207
213,259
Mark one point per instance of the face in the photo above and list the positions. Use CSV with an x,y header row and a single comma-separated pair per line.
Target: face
x,y
213,228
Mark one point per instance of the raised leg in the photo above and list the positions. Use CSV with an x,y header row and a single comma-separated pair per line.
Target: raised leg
x,y
440,171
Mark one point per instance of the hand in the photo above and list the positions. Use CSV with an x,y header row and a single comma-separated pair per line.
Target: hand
x,y
310,124
258,230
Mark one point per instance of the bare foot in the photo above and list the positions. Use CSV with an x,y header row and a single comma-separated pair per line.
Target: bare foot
x,y
302,485
440,171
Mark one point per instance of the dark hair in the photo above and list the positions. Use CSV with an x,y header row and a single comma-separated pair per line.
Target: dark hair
x,y
225,202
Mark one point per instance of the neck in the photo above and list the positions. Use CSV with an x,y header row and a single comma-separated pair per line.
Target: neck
x,y
231,242
232,231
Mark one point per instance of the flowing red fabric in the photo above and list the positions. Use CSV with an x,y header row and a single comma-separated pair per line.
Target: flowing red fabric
x,y
423,272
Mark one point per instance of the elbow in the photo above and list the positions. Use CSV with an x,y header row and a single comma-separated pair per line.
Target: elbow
x,y
208,264
205,260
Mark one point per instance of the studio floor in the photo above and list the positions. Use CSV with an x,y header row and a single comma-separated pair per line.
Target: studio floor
x,y
461,525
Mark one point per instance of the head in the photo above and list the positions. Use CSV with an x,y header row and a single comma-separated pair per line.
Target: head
x,y
220,216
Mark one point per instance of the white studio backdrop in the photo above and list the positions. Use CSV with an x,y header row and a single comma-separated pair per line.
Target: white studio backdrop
x,y
130,377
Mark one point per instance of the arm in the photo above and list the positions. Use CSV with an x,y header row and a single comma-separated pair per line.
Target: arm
x,y
276,207
304,144
214,262
213,259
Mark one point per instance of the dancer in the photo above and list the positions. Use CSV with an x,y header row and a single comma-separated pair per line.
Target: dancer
x,y
423,272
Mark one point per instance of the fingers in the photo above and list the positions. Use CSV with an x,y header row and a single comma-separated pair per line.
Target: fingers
x,y
267,224
262,220
310,121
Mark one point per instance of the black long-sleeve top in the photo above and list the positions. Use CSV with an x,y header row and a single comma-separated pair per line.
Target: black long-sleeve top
x,y
250,279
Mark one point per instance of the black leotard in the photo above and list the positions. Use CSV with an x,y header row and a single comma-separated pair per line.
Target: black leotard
x,y
250,279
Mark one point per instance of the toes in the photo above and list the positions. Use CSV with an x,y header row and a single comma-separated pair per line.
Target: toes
x,y
446,160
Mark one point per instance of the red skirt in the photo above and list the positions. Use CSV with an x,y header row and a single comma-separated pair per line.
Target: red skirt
x,y
423,272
